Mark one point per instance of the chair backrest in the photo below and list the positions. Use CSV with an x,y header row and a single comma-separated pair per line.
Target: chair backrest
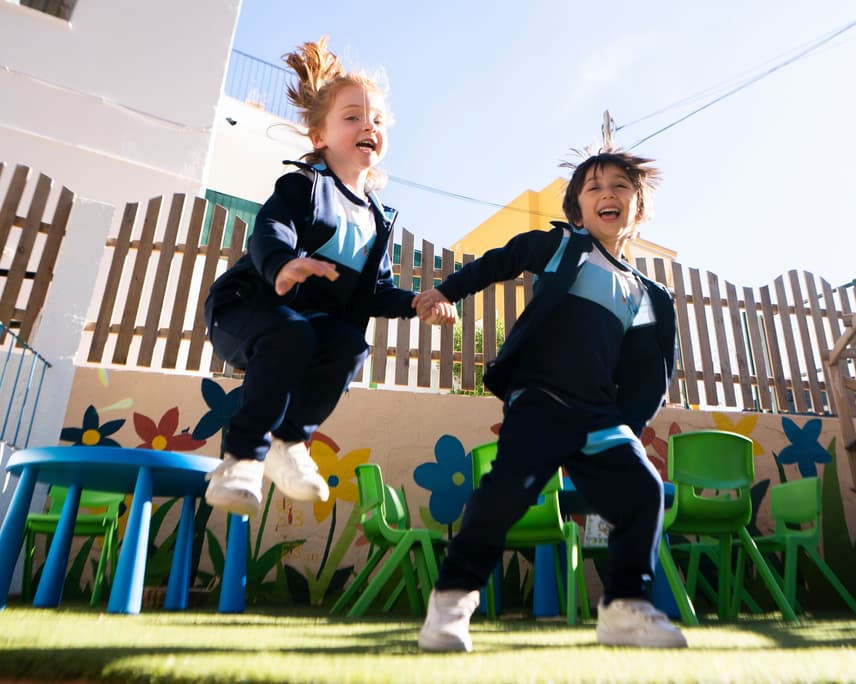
x,y
89,499
712,459
797,502
373,513
395,507
713,472
541,522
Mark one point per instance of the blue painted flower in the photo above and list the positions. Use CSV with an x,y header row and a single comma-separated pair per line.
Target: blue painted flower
x,y
450,479
91,433
804,449
222,405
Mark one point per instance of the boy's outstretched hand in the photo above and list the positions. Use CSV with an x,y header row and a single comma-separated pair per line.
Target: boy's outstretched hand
x,y
298,270
433,308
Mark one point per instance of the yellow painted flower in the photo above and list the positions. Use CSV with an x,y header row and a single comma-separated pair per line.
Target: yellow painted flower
x,y
339,474
744,426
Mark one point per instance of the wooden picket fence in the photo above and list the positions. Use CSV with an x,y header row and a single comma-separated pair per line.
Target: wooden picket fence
x,y
751,349
29,244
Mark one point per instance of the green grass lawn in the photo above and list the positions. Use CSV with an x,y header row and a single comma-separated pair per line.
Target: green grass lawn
x,y
304,645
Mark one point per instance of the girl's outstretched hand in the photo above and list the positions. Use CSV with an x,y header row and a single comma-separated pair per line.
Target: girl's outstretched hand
x,y
433,308
298,270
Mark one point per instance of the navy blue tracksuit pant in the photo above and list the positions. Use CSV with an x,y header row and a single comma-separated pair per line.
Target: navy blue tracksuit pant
x,y
537,436
297,367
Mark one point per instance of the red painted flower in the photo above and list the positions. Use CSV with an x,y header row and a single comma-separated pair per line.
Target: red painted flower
x,y
661,447
162,437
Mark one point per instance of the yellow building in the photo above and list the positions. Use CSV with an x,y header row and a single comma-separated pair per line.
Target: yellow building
x,y
531,210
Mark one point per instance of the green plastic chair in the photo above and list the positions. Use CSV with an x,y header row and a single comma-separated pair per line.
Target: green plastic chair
x,y
104,523
794,505
713,472
398,517
541,524
410,550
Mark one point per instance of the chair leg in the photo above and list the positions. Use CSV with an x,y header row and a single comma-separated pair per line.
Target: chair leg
x,y
408,583
706,588
737,591
358,581
563,592
832,578
723,604
27,580
427,570
741,593
767,575
582,592
693,570
676,584
104,559
567,586
490,595
790,579
400,554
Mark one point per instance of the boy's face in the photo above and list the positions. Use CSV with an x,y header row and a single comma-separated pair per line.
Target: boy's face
x,y
608,205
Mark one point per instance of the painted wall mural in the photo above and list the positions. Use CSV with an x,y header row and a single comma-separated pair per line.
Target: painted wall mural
x,y
304,553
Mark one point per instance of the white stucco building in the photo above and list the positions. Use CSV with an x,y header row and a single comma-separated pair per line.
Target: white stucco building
x,y
117,103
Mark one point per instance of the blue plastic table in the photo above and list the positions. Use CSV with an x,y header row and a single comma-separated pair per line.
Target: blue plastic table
x,y
143,472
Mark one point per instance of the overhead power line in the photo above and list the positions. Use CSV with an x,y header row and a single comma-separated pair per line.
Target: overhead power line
x,y
811,48
455,195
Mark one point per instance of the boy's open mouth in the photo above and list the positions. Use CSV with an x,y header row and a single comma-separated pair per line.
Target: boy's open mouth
x,y
367,144
608,213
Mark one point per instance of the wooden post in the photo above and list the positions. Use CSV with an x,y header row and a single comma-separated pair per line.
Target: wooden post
x,y
842,386
606,129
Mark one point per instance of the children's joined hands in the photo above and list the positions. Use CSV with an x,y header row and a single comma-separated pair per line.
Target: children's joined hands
x,y
433,308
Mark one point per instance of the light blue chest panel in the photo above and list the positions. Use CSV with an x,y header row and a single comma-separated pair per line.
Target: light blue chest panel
x,y
602,282
355,234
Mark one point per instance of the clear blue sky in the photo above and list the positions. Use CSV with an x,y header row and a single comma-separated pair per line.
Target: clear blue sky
x,y
489,97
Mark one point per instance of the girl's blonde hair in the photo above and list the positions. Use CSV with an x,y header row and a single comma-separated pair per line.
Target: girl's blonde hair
x,y
320,77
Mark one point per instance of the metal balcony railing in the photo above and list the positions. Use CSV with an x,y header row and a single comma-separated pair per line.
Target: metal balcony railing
x,y
22,373
260,84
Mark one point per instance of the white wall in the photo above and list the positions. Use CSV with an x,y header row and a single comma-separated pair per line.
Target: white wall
x,y
246,157
119,103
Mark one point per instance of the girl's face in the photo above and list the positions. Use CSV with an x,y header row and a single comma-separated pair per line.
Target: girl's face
x,y
353,137
608,204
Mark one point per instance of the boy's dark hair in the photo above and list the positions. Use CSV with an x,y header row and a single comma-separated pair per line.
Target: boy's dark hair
x,y
644,179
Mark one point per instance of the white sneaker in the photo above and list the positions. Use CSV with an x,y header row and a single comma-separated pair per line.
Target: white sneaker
x,y
290,467
447,625
635,622
236,486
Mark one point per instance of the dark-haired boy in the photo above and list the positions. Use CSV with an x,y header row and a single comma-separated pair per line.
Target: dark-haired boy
x,y
585,367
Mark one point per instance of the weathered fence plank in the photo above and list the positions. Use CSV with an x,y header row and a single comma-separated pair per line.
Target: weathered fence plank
x,y
182,292
111,287
797,395
771,338
402,338
740,351
447,333
423,363
158,288
128,325
724,355
468,337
